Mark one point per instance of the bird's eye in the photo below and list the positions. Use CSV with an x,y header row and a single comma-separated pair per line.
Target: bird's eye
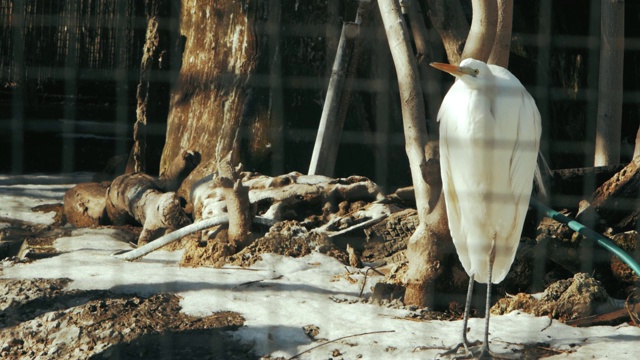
x,y
475,72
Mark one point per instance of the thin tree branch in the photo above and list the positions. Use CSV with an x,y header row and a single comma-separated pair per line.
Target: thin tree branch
x,y
338,339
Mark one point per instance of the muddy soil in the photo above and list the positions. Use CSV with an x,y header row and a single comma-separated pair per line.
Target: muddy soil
x,y
42,319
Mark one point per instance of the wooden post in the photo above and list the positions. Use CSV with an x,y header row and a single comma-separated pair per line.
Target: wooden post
x,y
609,123
325,150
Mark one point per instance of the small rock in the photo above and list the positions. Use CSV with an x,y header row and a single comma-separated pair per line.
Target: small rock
x,y
311,331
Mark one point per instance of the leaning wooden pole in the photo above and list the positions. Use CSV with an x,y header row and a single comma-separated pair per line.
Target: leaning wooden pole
x,y
334,112
325,150
424,249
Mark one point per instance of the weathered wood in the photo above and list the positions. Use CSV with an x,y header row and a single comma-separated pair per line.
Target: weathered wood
x,y
574,183
561,245
616,201
210,95
142,94
85,204
237,200
136,198
178,170
327,142
141,198
288,196
396,229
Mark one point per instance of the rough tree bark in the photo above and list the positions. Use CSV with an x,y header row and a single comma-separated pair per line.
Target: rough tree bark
x,y
609,123
141,198
231,77
208,100
149,52
424,251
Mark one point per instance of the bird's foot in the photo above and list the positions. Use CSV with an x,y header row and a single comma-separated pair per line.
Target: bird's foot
x,y
485,353
466,346
474,350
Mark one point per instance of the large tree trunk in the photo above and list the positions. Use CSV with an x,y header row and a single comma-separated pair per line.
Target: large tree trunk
x,y
207,102
235,57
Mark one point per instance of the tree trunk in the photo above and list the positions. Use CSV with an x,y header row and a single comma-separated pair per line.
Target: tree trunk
x,y
207,102
231,78
502,45
482,34
424,248
448,19
609,123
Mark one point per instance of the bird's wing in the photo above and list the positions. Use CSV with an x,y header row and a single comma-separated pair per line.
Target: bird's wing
x,y
521,171
525,152
456,175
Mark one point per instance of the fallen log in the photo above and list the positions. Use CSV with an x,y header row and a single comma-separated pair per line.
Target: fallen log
x,y
141,198
616,201
84,204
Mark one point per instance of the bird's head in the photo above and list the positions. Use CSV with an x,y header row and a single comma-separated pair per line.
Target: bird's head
x,y
473,72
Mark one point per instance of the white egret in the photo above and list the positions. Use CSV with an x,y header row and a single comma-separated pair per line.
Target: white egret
x,y
489,139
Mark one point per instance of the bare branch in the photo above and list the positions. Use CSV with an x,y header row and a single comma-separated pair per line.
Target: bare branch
x,y
448,18
502,45
482,33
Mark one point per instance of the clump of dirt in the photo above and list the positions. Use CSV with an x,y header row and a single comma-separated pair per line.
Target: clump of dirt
x,y
40,319
287,238
564,300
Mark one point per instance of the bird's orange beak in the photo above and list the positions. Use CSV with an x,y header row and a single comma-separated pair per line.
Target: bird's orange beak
x,y
451,69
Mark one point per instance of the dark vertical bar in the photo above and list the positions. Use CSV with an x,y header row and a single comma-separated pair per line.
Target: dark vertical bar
x,y
121,77
275,84
543,86
70,88
543,71
17,105
593,58
593,61
382,113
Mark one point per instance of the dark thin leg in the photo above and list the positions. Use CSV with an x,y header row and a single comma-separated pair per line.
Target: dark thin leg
x,y
484,352
465,343
465,320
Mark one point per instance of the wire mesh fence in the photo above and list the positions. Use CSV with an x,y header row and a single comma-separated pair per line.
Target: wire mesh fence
x,y
70,69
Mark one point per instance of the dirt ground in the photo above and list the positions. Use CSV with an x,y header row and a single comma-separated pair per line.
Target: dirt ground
x,y
39,319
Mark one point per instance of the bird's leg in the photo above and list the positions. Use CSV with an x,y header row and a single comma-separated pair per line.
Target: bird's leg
x,y
484,352
467,308
465,343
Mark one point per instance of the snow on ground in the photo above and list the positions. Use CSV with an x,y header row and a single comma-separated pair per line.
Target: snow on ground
x,y
279,295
